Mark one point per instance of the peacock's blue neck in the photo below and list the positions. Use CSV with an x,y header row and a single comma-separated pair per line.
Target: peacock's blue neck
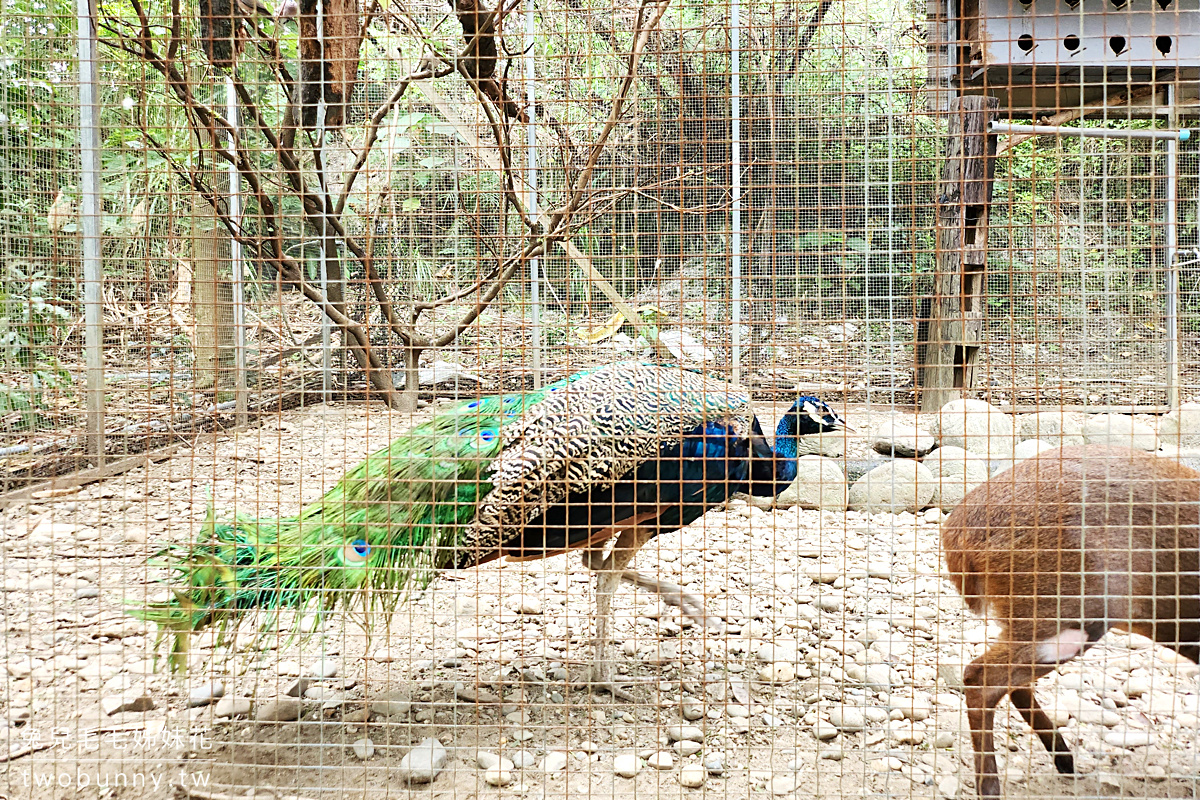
x,y
787,449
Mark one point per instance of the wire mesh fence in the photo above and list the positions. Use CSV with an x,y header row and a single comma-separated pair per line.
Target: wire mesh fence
x,y
353,355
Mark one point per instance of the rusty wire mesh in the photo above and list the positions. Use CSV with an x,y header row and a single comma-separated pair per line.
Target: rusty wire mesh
x,y
324,224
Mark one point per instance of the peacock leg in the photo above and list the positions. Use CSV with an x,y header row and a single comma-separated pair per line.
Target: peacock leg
x,y
609,574
600,675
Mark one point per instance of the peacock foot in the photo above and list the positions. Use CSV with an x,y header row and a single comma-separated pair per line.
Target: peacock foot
x,y
691,605
693,608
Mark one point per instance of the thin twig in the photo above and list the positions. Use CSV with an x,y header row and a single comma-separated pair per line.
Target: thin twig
x,y
13,755
192,793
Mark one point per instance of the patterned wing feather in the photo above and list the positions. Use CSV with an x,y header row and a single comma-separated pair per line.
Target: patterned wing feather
x,y
590,434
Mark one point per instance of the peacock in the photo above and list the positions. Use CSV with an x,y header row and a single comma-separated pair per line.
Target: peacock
x,y
624,451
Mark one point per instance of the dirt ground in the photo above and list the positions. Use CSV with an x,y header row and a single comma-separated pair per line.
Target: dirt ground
x,y
832,616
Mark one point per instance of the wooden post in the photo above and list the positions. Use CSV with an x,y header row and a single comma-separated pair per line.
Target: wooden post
x,y
212,292
948,339
212,305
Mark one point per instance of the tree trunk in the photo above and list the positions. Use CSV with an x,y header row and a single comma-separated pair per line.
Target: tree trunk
x,y
212,297
412,379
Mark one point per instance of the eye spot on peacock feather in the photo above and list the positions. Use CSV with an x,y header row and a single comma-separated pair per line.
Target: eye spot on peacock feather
x,y
356,552
480,439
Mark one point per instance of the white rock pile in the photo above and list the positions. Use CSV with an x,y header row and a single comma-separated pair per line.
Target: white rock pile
x,y
960,446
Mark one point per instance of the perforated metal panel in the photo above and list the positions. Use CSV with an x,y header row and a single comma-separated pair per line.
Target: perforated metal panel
x,y
1141,35
1043,56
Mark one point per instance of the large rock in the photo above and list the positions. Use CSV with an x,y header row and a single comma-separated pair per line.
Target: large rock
x,y
1119,430
955,472
423,763
1030,448
1059,428
896,437
1181,426
820,483
894,487
976,426
830,443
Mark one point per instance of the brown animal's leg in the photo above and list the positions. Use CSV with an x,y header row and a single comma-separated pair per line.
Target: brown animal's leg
x,y
1023,700
608,578
987,680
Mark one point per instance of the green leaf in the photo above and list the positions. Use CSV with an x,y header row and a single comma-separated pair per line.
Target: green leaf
x,y
411,204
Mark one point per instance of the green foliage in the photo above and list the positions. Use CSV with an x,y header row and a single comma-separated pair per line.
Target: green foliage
x,y
29,321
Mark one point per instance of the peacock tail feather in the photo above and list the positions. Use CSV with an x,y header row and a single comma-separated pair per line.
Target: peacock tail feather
x,y
447,493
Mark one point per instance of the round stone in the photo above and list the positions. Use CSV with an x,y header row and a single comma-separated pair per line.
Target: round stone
x,y
779,672
495,776
848,718
1119,430
486,760
685,733
977,426
824,731
323,668
955,471
1130,739
232,707
627,765
899,438
692,776
555,761
820,484
893,487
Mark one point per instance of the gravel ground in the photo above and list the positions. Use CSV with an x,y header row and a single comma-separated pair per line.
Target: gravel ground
x,y
836,676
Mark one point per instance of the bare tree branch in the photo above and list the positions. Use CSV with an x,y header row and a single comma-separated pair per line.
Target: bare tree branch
x,y
324,206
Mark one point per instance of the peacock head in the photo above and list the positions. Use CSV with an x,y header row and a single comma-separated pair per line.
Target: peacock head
x,y
809,415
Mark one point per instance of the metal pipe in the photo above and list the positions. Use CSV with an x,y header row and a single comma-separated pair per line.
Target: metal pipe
x,y
326,324
735,110
531,178
1179,135
235,253
90,211
1170,245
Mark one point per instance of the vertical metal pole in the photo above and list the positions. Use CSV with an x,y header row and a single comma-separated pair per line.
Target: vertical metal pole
x,y
1171,245
89,223
893,342
866,179
531,178
735,110
235,252
326,329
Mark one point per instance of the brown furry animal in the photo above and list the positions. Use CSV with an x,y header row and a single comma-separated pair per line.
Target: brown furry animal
x,y
1057,551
